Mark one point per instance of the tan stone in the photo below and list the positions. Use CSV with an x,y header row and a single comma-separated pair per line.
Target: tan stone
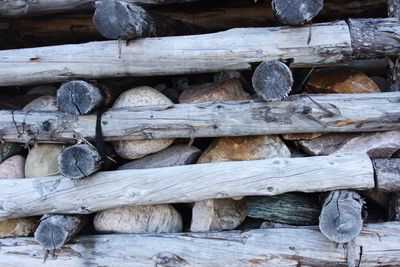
x,y
42,160
342,81
13,167
43,103
141,96
139,219
18,227
244,148
220,91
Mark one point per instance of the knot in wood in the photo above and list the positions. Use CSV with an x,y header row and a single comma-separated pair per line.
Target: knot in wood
x,y
169,259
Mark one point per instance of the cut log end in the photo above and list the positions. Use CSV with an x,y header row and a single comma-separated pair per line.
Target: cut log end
x,y
296,12
79,161
272,80
341,219
78,97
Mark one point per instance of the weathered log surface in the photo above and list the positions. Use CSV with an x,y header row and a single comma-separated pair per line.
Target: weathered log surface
x,y
296,12
341,216
378,244
387,174
229,50
189,183
297,114
393,62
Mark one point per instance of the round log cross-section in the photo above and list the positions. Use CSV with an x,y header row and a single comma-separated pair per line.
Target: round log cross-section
x,y
296,12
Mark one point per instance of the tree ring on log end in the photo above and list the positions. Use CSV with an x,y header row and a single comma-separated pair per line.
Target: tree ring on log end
x,y
296,12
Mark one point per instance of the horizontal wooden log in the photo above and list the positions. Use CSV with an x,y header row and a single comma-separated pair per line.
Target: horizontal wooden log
x,y
297,114
387,174
377,244
28,8
229,50
190,183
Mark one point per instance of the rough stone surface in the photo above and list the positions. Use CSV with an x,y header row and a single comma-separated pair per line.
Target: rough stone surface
x,y
42,160
17,227
216,215
376,145
12,167
219,91
342,81
141,96
139,219
172,156
43,103
244,148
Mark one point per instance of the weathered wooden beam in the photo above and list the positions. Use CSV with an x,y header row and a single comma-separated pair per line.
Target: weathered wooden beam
x,y
229,50
297,114
387,174
104,190
377,244
28,8
393,62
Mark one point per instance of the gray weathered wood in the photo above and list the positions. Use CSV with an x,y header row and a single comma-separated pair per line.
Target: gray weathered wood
x,y
175,155
54,231
234,49
79,161
393,62
263,247
78,97
272,80
387,174
297,114
290,208
341,219
21,8
116,19
178,184
394,207
296,12
375,38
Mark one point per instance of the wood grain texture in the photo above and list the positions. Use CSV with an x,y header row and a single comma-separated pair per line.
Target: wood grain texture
x,y
265,247
178,184
234,49
387,174
393,62
297,114
296,12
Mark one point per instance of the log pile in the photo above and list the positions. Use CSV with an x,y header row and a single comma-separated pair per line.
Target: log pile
x,y
175,128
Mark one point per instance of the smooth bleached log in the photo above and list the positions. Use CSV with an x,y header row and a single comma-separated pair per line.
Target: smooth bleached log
x,y
272,80
341,216
178,184
237,48
387,174
116,19
79,161
296,12
378,244
297,114
54,231
78,97
290,208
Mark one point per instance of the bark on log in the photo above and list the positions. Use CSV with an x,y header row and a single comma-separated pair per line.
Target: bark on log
x,y
377,244
79,161
116,19
375,38
296,12
393,62
272,80
179,184
237,48
78,97
387,174
394,207
297,114
56,230
341,219
27,8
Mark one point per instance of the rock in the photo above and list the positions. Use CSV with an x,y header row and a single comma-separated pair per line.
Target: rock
x,y
8,149
221,91
42,103
216,215
172,156
376,145
43,90
141,96
341,81
42,160
139,219
12,167
17,227
244,148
